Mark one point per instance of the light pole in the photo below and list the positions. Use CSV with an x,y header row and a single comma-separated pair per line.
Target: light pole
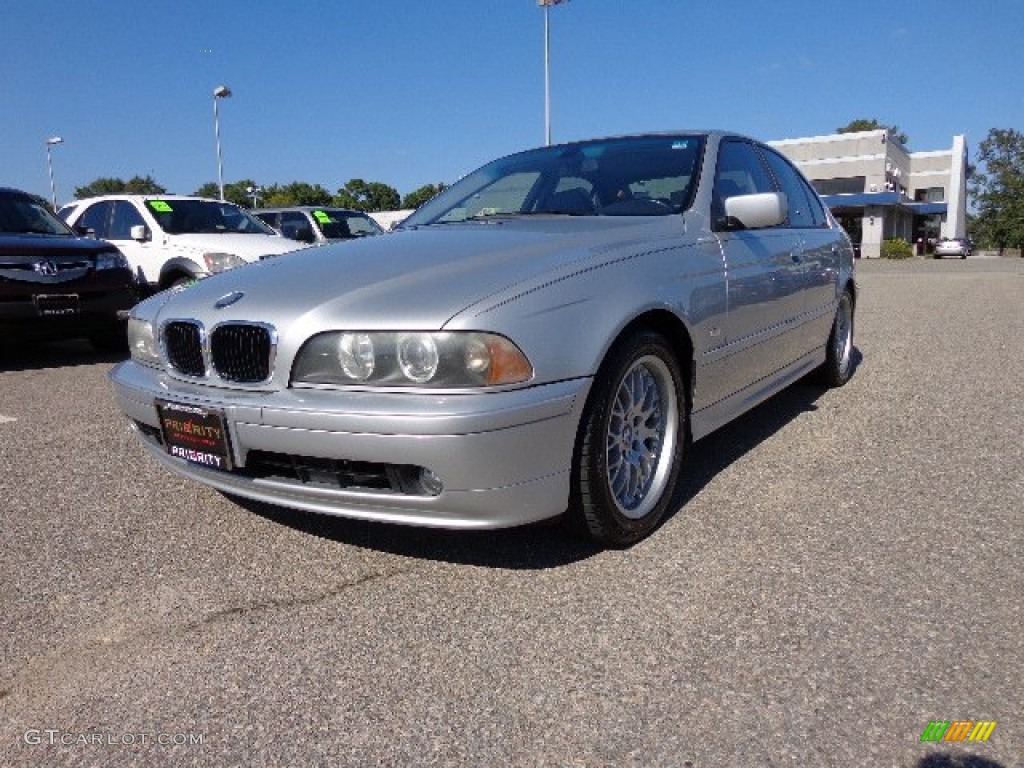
x,y
220,92
546,5
49,167
254,192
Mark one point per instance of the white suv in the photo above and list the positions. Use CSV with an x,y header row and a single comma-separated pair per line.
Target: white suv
x,y
174,239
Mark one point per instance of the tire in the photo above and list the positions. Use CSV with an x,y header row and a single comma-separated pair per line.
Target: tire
x,y
631,441
838,366
181,281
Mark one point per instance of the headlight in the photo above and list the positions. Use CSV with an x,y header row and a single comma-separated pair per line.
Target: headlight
x,y
142,342
112,260
452,360
356,356
218,262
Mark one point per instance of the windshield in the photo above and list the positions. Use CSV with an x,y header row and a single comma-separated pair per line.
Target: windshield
x,y
638,176
193,217
25,214
335,224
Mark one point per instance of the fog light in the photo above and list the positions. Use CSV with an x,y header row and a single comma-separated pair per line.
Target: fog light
x,y
430,482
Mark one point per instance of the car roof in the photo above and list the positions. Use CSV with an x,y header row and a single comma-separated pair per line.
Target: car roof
x,y
12,192
306,208
144,198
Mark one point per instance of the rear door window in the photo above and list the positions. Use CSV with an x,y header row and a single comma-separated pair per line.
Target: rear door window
x,y
125,217
97,218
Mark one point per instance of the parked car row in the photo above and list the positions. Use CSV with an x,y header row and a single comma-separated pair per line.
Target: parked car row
x,y
78,277
170,240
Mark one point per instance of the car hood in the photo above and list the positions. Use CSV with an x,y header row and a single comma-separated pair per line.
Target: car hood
x,y
34,246
413,280
249,247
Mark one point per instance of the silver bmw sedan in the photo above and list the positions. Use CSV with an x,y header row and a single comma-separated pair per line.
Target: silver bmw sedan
x,y
547,337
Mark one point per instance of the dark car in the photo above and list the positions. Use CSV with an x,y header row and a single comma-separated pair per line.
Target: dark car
x,y
55,284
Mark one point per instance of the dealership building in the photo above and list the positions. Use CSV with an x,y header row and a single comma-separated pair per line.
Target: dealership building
x,y
878,190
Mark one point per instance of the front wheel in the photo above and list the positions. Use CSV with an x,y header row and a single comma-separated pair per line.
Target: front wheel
x,y
631,442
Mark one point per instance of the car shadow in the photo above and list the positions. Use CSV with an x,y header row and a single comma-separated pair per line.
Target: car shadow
x,y
37,355
548,544
728,444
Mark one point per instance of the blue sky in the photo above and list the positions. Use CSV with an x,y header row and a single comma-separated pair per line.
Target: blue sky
x,y
410,93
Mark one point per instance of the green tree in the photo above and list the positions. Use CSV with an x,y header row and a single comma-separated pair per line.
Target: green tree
x,y
137,185
999,190
418,197
209,189
296,193
368,196
864,124
236,192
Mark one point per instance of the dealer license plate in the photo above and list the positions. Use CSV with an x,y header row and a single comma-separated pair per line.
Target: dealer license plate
x,y
195,434
56,304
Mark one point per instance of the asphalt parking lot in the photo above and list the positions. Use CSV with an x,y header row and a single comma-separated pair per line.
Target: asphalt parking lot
x,y
847,568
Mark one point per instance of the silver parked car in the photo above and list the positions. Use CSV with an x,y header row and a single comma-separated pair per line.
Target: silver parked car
x,y
318,225
547,336
953,246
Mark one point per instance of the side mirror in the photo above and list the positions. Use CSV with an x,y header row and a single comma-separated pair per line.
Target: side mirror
x,y
766,209
84,231
139,233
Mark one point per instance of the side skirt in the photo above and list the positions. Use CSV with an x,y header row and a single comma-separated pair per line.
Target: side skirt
x,y
710,418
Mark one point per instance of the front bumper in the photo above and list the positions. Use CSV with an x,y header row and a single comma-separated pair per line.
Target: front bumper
x,y
504,457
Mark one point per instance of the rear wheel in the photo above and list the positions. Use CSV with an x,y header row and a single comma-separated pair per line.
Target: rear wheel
x,y
631,442
838,365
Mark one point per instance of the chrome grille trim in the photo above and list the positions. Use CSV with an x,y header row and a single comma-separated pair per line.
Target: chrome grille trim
x,y
183,343
232,352
243,352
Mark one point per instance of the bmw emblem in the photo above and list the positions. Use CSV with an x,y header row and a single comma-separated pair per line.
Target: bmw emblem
x,y
228,300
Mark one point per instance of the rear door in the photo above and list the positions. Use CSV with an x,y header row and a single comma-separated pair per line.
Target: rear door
x,y
817,269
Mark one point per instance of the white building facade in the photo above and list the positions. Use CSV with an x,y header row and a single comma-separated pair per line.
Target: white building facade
x,y
878,190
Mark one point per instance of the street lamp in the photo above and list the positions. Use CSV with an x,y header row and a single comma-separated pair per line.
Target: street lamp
x,y
254,191
49,167
546,5
220,92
